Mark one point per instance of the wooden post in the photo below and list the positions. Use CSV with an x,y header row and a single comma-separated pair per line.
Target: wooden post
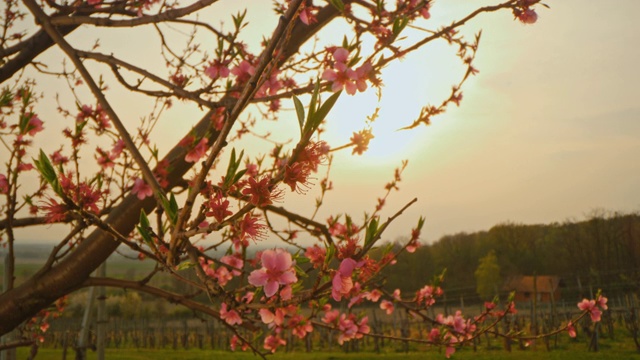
x,y
9,354
101,326
83,335
534,308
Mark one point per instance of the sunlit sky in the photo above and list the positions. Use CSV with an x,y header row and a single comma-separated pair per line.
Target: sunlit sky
x,y
549,129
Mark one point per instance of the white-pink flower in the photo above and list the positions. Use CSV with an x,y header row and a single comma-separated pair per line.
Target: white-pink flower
x,y
231,317
277,269
141,189
342,282
387,306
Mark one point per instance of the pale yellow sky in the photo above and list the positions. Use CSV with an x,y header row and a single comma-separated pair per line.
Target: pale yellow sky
x,y
548,130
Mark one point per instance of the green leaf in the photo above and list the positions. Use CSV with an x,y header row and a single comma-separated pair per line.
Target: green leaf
x,y
372,231
24,121
299,112
319,116
312,104
338,4
239,175
231,176
399,24
171,207
143,228
300,273
185,265
44,166
331,250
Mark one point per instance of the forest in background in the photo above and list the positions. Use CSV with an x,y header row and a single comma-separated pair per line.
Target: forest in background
x,y
600,252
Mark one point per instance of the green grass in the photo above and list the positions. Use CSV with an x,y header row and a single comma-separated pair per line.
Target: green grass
x,y
622,353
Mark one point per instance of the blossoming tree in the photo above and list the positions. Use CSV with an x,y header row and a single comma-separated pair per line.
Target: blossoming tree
x,y
176,206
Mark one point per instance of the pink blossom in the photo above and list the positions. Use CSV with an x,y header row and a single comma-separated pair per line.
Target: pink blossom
x,y
528,16
341,75
218,117
330,316
348,328
342,282
217,69
341,55
363,72
387,306
316,255
104,159
286,293
586,305
373,295
4,184
235,340
571,330
222,275
249,227
54,212
277,269
34,125
24,167
449,351
307,16
296,176
197,152
118,148
342,78
266,316
141,189
300,327
426,295
272,343
243,71
363,327
601,301
218,207
231,317
434,335
260,192
235,262
58,159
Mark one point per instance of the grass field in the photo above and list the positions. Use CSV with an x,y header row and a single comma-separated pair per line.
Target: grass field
x,y
621,353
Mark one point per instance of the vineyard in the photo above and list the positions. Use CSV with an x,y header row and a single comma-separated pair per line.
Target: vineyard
x,y
618,331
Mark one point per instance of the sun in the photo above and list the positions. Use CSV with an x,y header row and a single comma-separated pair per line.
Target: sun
x,y
407,87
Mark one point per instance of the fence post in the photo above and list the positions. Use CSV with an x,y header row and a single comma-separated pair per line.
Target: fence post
x,y
9,354
101,325
83,336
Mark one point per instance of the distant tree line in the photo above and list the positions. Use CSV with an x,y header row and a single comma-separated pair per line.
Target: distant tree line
x,y
601,251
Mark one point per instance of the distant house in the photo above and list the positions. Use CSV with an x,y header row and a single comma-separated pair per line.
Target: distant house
x,y
546,288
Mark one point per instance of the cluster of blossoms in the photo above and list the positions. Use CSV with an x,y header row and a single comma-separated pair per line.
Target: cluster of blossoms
x,y
106,159
82,195
296,174
525,12
99,116
593,307
39,324
230,267
349,326
342,76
